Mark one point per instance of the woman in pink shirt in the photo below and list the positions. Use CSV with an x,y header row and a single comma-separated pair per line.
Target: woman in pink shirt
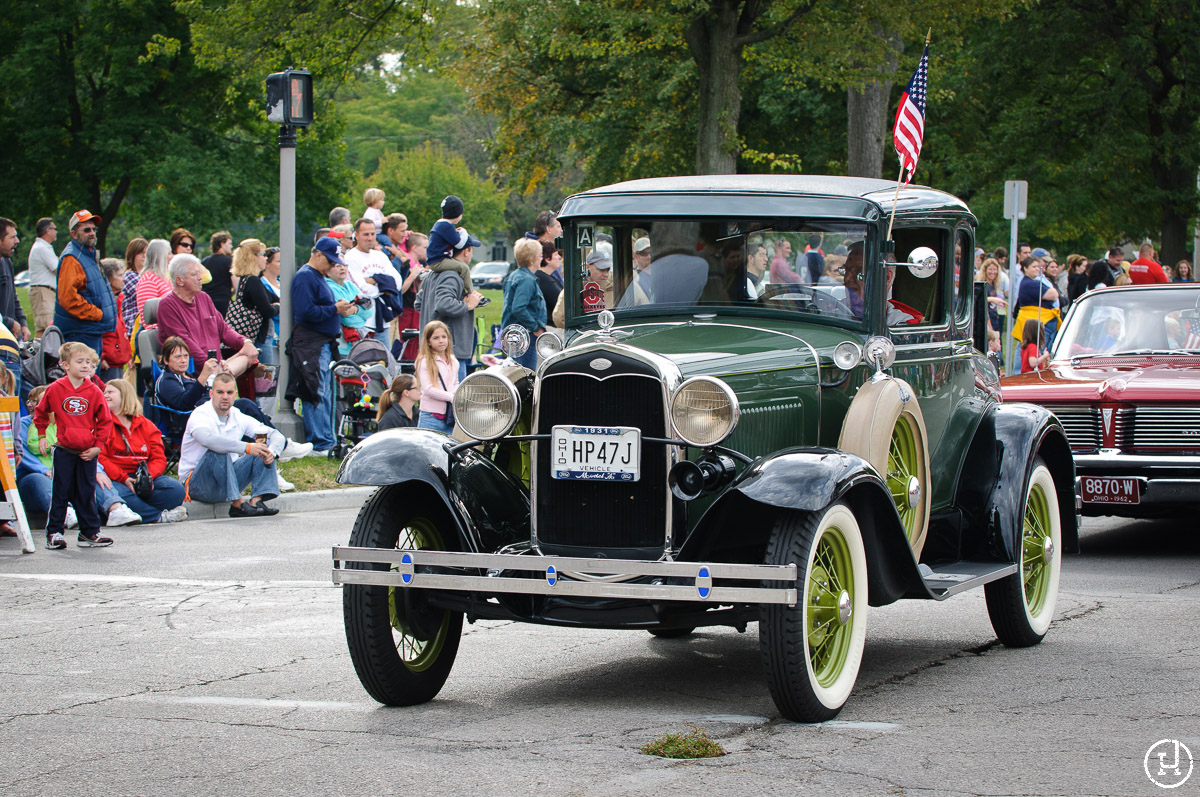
x,y
437,376
152,283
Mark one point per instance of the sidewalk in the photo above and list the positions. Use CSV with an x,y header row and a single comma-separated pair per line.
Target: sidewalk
x,y
347,498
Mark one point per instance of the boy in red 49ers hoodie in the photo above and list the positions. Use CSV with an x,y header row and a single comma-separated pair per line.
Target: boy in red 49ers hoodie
x,y
84,424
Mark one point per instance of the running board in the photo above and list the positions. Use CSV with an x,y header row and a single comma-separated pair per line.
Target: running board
x,y
950,579
566,576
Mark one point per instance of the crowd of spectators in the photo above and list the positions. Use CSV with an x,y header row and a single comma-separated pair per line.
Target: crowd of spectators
x,y
1047,288
163,346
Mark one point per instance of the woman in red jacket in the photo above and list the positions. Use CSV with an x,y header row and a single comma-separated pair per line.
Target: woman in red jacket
x,y
116,350
135,442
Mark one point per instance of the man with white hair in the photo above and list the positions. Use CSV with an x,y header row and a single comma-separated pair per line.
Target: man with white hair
x,y
189,313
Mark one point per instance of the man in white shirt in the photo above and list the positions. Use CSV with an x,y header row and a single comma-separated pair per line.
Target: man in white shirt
x,y
216,463
364,260
43,275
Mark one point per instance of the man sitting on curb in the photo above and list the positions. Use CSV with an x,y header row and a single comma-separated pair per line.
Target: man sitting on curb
x,y
215,463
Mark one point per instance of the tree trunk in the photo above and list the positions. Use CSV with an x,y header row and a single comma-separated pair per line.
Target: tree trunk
x,y
717,50
866,116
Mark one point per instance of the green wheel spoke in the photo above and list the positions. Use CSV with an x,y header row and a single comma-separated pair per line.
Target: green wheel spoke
x,y
417,654
831,575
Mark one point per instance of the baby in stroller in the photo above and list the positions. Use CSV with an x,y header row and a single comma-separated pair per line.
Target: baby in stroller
x,y
359,379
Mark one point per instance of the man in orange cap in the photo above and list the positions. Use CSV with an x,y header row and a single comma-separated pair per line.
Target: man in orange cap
x,y
85,308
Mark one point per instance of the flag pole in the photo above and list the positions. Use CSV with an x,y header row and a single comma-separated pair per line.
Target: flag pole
x,y
895,198
900,176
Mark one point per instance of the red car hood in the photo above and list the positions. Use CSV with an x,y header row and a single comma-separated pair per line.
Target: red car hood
x,y
1132,379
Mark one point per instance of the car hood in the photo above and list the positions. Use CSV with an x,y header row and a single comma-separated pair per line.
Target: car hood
x,y
715,347
1134,379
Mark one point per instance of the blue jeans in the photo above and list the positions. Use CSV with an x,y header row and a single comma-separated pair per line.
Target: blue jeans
x,y
168,494
215,478
462,368
427,421
37,492
529,358
318,416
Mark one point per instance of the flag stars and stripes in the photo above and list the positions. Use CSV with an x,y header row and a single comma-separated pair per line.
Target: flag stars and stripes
x,y
909,130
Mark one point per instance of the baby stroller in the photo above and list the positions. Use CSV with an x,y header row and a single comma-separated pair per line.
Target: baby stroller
x,y
359,379
39,358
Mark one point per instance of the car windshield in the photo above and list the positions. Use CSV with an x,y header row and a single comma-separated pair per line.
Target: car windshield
x,y
782,264
1110,322
489,269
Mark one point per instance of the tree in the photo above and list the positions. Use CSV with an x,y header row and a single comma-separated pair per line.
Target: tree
x,y
1097,108
417,181
106,108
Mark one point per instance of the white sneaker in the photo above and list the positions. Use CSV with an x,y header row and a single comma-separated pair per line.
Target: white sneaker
x,y
294,450
122,515
284,484
71,522
315,453
175,515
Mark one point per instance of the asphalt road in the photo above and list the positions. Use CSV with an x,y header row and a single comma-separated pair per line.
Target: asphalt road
x,y
209,658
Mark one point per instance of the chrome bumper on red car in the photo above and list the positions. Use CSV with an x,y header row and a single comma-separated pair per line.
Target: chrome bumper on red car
x,y
1103,480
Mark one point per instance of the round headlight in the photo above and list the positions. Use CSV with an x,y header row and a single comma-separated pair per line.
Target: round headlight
x,y
548,344
847,355
514,340
704,411
486,406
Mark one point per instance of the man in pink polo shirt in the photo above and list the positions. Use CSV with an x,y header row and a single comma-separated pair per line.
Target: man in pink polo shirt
x,y
189,312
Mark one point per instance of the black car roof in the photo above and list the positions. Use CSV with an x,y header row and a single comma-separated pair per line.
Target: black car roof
x,y
769,194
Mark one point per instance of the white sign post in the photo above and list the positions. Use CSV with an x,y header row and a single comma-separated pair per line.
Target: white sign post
x,y
1016,197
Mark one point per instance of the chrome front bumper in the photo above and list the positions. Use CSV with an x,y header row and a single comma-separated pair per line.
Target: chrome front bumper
x,y
564,576
1164,478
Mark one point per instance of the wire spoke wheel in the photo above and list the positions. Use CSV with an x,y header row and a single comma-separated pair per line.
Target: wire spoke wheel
x,y
1021,606
904,465
417,654
402,645
812,651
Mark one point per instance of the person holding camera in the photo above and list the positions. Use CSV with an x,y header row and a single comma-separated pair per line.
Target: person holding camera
x,y
354,326
133,462
216,463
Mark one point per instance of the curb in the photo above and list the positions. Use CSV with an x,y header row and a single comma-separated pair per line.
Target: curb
x,y
347,498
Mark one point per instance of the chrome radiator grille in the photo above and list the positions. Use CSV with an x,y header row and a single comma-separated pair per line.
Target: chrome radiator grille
x,y
1174,427
602,516
1082,425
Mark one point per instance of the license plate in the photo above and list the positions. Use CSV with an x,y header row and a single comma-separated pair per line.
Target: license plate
x,y
1111,490
595,453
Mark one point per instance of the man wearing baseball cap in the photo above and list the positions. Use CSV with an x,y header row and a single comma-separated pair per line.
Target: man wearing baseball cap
x,y
317,324
85,308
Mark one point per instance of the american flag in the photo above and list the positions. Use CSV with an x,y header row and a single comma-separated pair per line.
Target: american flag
x,y
909,129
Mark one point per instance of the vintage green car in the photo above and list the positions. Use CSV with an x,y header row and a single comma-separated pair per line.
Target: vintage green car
x,y
762,409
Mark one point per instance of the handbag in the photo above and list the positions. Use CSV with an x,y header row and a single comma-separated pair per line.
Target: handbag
x,y
246,321
448,415
143,485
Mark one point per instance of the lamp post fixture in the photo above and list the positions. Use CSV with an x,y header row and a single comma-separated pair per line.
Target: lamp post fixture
x,y
289,104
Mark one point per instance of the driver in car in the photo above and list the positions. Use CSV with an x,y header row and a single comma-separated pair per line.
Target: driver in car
x,y
898,312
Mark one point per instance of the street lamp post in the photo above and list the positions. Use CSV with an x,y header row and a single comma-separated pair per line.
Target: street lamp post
x,y
289,103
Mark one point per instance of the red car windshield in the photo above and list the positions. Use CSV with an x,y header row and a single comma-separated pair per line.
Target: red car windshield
x,y
1113,321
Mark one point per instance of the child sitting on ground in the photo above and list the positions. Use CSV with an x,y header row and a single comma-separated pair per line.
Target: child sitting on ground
x,y
81,416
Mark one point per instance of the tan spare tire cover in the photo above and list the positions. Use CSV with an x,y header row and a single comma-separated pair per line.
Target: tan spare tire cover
x,y
868,431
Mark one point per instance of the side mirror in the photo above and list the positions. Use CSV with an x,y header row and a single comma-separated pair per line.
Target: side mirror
x,y
922,262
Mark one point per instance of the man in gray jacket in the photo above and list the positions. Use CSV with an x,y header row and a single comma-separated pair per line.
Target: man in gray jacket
x,y
444,297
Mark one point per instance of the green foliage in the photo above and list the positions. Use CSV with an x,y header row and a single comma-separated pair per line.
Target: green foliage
x,y
694,744
416,181
109,110
1097,108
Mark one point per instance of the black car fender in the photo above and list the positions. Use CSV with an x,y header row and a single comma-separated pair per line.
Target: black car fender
x,y
737,525
489,507
991,487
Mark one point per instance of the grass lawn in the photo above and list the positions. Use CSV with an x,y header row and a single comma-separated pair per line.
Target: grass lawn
x,y
311,473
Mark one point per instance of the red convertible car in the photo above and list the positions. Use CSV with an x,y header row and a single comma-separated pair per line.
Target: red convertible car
x,y
1124,380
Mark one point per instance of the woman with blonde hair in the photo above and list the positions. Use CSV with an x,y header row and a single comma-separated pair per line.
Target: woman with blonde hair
x,y
989,273
437,375
153,282
133,462
397,403
252,307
